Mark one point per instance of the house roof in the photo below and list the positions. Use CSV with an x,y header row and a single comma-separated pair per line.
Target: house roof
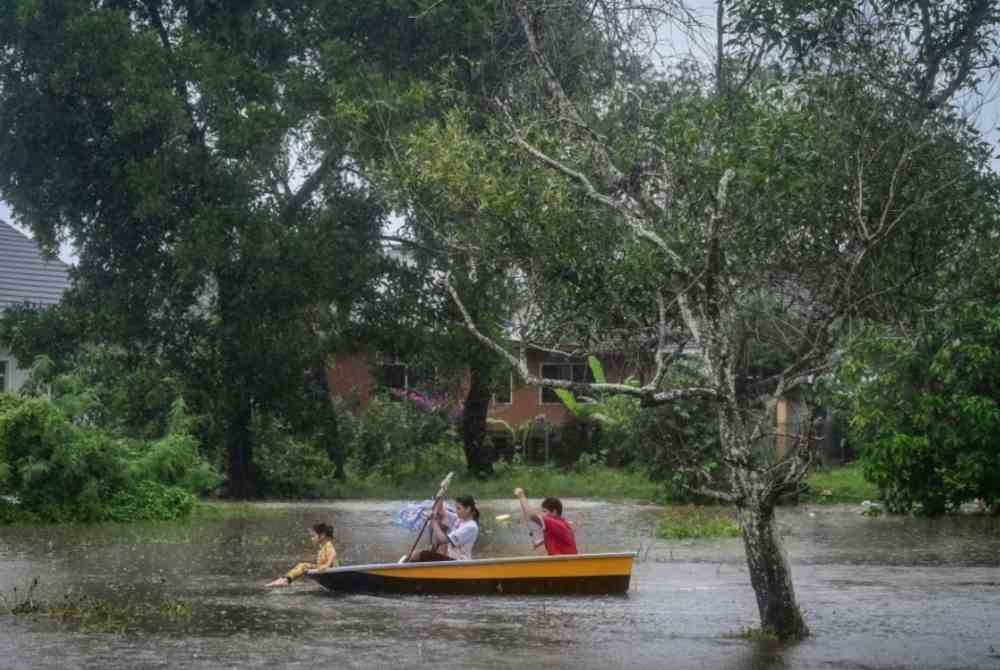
x,y
25,275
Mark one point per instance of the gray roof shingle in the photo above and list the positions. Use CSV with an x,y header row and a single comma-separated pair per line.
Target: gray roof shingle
x,y
25,275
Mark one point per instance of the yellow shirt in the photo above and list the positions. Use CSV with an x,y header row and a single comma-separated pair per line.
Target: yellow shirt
x,y
326,552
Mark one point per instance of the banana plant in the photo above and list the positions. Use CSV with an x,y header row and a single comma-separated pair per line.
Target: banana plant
x,y
591,409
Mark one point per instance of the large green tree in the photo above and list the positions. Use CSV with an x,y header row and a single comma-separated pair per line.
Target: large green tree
x,y
205,159
814,174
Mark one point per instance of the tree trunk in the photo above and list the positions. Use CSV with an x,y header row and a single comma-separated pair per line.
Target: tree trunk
x,y
475,411
242,474
325,416
770,575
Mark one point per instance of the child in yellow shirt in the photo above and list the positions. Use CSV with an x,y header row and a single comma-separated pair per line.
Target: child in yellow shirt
x,y
321,535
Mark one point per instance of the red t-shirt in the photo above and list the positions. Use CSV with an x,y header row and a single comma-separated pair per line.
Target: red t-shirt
x,y
559,538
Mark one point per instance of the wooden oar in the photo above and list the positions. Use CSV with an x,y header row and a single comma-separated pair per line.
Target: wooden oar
x,y
440,495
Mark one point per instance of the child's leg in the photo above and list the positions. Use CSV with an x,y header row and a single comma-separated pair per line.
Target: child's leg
x,y
299,570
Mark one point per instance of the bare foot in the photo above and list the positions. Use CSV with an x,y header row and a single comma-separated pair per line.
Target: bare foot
x,y
280,581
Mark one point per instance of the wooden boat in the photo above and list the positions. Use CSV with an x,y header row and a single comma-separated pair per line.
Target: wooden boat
x,y
577,574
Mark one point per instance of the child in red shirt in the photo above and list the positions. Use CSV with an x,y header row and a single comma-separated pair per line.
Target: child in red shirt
x,y
557,533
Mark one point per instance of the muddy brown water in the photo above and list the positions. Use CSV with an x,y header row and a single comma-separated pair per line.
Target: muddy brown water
x,y
890,592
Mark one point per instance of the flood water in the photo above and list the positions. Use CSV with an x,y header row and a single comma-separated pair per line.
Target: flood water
x,y
892,592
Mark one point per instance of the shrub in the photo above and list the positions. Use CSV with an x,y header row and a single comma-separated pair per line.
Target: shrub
x,y
175,459
391,438
150,501
56,469
290,467
59,471
925,411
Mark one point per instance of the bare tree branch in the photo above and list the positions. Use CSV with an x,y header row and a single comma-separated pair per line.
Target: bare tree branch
x,y
962,45
646,394
631,219
311,184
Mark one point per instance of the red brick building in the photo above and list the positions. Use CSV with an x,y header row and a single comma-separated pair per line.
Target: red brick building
x,y
360,375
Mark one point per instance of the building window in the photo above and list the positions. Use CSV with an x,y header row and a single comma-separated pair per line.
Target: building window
x,y
577,371
3,376
397,376
503,390
391,375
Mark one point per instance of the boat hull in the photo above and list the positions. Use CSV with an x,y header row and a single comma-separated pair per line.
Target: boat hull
x,y
583,574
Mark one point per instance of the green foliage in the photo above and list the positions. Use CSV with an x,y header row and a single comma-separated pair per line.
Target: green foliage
x,y
169,155
755,634
57,470
839,485
290,467
924,411
690,522
149,500
391,438
596,481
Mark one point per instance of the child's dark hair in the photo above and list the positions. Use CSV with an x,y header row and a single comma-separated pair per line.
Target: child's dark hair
x,y
553,505
323,530
469,502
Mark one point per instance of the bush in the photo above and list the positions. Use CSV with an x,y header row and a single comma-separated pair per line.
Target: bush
x,y
925,411
58,471
391,438
150,501
290,467
175,459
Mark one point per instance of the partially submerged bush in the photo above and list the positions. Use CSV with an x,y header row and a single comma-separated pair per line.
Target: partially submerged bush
x,y
56,470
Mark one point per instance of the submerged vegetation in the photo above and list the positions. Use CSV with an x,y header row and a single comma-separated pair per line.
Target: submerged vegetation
x,y
690,522
96,615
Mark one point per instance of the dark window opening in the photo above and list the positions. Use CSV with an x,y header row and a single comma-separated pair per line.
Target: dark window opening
x,y
503,389
392,376
570,371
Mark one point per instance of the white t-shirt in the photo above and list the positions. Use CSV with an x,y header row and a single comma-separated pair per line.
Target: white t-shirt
x,y
462,536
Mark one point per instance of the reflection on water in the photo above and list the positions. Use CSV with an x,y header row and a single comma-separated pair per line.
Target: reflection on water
x,y
878,593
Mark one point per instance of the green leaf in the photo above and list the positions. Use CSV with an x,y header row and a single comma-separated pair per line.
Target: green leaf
x,y
597,370
569,400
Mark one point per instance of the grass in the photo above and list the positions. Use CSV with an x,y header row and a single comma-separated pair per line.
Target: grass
x,y
839,485
590,482
684,522
757,634
220,509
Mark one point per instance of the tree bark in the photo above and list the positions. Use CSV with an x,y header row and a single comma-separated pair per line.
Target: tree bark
x,y
325,416
770,574
475,411
242,474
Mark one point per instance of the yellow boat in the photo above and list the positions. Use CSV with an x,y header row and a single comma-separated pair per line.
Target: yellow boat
x,y
576,574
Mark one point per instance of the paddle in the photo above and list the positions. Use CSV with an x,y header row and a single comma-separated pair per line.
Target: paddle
x,y
535,544
440,494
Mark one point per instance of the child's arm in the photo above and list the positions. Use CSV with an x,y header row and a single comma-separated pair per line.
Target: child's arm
x,y
440,537
529,512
